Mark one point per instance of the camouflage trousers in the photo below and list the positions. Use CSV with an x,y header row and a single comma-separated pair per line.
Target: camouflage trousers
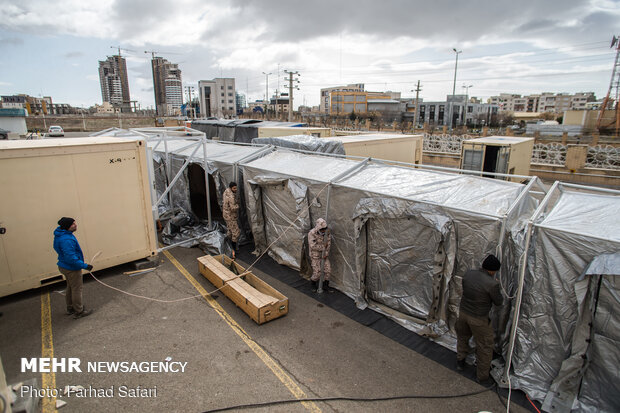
x,y
232,229
316,268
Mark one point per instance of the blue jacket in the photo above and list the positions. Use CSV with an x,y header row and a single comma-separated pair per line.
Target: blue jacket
x,y
70,254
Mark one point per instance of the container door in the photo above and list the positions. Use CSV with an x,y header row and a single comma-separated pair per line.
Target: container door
x,y
34,197
502,160
473,156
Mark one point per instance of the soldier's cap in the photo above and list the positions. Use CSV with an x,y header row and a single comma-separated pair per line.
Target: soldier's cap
x,y
321,223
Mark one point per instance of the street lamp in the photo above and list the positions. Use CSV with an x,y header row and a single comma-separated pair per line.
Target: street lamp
x,y
266,90
466,103
456,64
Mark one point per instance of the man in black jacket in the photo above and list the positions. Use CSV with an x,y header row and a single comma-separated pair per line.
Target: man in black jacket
x,y
480,291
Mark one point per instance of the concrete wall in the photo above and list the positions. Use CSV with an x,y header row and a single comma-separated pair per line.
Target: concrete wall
x,y
441,159
89,123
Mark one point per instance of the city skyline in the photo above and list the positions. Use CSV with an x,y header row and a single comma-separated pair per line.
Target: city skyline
x,y
522,48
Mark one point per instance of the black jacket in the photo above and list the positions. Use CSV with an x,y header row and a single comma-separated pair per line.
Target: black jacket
x,y
480,291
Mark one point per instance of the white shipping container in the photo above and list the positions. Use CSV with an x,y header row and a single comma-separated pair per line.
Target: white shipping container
x,y
101,182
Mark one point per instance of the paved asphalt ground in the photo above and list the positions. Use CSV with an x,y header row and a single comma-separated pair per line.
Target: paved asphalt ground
x,y
311,352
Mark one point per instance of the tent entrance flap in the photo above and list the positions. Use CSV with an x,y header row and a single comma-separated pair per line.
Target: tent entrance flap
x,y
198,194
286,220
401,273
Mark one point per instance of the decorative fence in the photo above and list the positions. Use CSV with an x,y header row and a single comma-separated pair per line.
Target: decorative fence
x,y
553,154
549,154
444,143
598,157
603,157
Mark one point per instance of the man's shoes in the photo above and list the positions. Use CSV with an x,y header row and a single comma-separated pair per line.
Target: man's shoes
x,y
488,382
314,286
70,311
326,287
460,365
82,313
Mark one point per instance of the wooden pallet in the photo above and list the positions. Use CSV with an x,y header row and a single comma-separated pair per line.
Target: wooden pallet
x,y
254,296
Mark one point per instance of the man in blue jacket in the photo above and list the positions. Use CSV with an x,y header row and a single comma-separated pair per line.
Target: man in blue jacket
x,y
70,264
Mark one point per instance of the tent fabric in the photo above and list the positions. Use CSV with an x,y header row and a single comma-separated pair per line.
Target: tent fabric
x,y
304,142
589,379
573,233
221,165
366,210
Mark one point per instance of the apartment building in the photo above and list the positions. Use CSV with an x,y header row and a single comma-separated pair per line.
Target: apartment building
x,y
544,102
342,102
463,113
325,102
217,97
114,82
167,86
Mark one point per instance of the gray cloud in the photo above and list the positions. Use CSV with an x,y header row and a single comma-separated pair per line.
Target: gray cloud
x,y
11,41
74,55
442,19
132,16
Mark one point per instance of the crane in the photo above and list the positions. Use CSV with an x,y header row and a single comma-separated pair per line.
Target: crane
x,y
121,48
153,52
614,83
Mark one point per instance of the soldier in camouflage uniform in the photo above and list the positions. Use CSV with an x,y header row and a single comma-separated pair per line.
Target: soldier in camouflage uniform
x,y
231,214
319,243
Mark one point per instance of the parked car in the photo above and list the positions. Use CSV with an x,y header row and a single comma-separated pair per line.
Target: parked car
x,y
55,131
4,134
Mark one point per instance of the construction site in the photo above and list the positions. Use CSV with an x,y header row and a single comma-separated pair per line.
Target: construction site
x,y
186,320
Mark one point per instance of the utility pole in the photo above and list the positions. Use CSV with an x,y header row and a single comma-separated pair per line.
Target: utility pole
x,y
266,92
456,64
417,91
466,103
277,90
190,93
291,79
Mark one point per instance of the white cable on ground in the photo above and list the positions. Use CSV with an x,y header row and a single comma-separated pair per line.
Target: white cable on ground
x,y
247,271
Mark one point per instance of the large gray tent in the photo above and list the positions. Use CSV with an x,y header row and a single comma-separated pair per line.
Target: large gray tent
x,y
403,237
565,283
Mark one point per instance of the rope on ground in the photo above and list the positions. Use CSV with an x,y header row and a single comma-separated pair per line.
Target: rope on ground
x,y
247,271
350,399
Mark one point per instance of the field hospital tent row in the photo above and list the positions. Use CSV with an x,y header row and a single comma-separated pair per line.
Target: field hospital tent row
x,y
404,237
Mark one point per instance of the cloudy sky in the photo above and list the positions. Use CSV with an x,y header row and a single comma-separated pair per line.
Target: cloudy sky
x,y
52,48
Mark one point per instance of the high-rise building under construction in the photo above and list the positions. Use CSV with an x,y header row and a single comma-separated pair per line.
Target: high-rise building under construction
x,y
167,86
114,83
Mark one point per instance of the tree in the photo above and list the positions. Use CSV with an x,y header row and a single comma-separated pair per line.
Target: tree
x,y
352,116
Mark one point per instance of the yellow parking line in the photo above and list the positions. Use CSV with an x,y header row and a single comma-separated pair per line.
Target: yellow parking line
x,y
48,380
257,349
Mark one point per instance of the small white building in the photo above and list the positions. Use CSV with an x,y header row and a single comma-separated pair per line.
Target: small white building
x,y
217,97
13,120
